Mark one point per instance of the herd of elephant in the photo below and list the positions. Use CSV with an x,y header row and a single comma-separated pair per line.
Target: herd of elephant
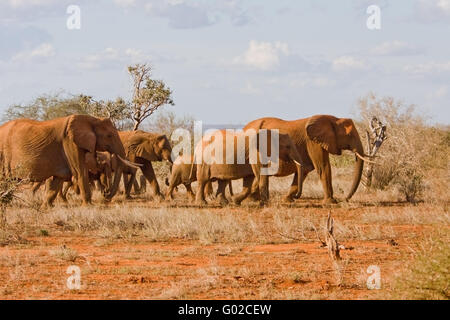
x,y
77,150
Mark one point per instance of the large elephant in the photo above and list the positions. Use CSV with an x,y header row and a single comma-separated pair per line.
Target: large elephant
x,y
213,166
315,138
58,149
180,173
143,148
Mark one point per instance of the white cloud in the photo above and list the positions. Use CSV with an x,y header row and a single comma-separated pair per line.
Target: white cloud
x,y
111,57
311,81
433,10
348,63
439,93
125,3
395,48
189,14
263,55
250,89
29,3
43,51
428,68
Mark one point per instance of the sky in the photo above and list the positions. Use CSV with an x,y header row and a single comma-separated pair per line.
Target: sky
x,y
232,61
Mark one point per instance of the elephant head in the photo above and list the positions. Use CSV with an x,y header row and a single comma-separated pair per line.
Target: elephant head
x,y
150,146
337,134
90,134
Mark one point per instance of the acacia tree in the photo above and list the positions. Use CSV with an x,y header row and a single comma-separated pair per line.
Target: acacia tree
x,y
148,94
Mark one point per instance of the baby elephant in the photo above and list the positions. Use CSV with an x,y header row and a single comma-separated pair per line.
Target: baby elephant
x,y
180,174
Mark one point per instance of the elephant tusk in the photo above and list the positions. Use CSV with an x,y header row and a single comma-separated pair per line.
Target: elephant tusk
x,y
129,163
364,159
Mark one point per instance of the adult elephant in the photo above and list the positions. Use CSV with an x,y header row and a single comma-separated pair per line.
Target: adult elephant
x,y
58,149
215,164
144,147
315,138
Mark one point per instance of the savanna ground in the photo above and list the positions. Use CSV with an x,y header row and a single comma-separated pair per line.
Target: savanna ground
x,y
143,250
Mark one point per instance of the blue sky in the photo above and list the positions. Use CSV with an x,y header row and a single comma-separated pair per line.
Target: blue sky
x,y
232,61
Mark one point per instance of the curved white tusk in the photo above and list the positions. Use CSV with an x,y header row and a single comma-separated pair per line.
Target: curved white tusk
x,y
364,159
129,163
297,163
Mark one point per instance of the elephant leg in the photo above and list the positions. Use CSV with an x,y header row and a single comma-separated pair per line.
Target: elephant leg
x,y
61,193
143,184
189,191
149,174
172,183
255,195
200,196
246,190
128,181
36,186
209,191
292,194
222,184
103,183
53,186
136,187
264,189
169,193
321,161
292,190
66,189
230,187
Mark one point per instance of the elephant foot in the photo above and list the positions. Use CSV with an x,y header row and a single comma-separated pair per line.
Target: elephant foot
x,y
236,200
201,202
159,198
222,200
263,204
255,196
288,198
329,201
46,206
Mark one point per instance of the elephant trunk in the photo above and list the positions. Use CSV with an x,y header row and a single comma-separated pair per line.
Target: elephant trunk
x,y
295,156
119,152
115,182
358,169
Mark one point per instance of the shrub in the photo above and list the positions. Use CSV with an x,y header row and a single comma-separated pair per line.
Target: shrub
x,y
428,278
413,149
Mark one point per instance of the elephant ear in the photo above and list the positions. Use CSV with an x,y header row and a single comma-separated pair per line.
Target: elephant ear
x,y
144,150
140,146
161,141
80,131
320,129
